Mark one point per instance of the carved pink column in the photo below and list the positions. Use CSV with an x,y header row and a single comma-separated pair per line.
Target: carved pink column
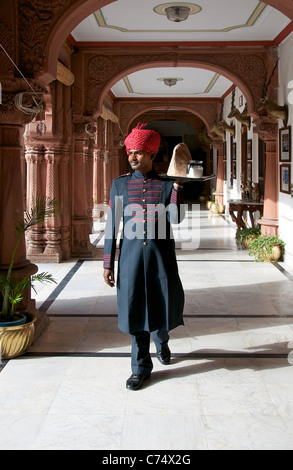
x,y
107,178
219,194
35,237
270,219
11,205
267,129
98,182
64,197
88,173
11,202
82,218
53,224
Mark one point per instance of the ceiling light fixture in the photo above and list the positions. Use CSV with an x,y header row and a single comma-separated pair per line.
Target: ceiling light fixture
x,y
170,81
177,13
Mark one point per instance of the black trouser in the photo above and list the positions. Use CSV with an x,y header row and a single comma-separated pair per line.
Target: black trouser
x,y
141,362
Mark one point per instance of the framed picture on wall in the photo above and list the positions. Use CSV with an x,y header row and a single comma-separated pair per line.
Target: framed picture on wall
x,y
234,151
285,178
249,149
234,170
249,171
285,144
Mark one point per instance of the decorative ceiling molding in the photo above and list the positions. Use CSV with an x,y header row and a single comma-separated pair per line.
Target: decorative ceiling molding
x,y
208,88
212,83
255,15
225,24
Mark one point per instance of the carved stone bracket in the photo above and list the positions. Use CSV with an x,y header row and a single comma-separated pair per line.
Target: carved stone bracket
x,y
266,127
217,142
79,127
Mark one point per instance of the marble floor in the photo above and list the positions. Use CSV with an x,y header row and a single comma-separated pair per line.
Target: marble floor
x,y
229,384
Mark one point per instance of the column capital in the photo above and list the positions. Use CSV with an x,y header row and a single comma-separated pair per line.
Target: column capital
x,y
79,126
52,155
33,156
33,147
218,142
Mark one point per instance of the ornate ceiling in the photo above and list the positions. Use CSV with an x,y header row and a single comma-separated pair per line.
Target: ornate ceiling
x,y
210,21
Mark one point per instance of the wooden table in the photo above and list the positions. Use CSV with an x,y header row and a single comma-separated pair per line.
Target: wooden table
x,y
240,206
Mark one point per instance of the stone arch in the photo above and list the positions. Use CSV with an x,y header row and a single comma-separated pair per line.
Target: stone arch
x,y
246,69
206,111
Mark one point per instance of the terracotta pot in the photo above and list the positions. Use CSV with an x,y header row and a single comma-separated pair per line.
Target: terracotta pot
x,y
15,340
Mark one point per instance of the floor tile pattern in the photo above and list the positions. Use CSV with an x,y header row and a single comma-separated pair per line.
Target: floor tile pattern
x,y
229,384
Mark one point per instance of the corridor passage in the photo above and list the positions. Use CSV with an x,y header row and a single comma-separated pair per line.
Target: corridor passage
x,y
229,384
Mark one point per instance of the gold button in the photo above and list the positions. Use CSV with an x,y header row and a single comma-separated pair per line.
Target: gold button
x,y
145,232
143,200
145,181
145,243
144,190
144,221
144,210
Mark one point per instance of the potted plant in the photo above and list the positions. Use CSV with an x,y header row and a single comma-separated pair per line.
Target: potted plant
x,y
16,329
245,235
217,208
213,205
267,248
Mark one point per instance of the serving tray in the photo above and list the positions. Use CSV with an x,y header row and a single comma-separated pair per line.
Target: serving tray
x,y
203,178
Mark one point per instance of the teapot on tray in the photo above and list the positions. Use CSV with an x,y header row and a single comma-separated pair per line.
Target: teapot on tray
x,y
194,169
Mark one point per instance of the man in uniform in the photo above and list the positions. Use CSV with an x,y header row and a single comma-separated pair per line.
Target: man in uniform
x,y
150,296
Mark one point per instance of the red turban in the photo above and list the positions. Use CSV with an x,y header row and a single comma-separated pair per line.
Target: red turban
x,y
143,139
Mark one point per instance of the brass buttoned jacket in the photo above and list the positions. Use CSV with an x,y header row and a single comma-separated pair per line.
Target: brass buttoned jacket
x,y
149,290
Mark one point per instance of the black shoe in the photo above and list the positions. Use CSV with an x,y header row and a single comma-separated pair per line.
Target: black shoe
x,y
164,356
135,381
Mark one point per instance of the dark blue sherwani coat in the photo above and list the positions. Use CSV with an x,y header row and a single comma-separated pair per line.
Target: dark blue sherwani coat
x,y
149,291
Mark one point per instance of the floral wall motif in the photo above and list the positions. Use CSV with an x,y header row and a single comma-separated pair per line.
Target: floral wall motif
x,y
37,17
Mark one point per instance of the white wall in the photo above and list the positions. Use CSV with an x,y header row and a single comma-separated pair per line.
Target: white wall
x,y
285,200
233,192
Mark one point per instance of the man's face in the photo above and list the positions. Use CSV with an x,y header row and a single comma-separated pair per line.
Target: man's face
x,y
141,161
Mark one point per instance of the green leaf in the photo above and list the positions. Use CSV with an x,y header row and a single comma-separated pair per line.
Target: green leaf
x,y
12,289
